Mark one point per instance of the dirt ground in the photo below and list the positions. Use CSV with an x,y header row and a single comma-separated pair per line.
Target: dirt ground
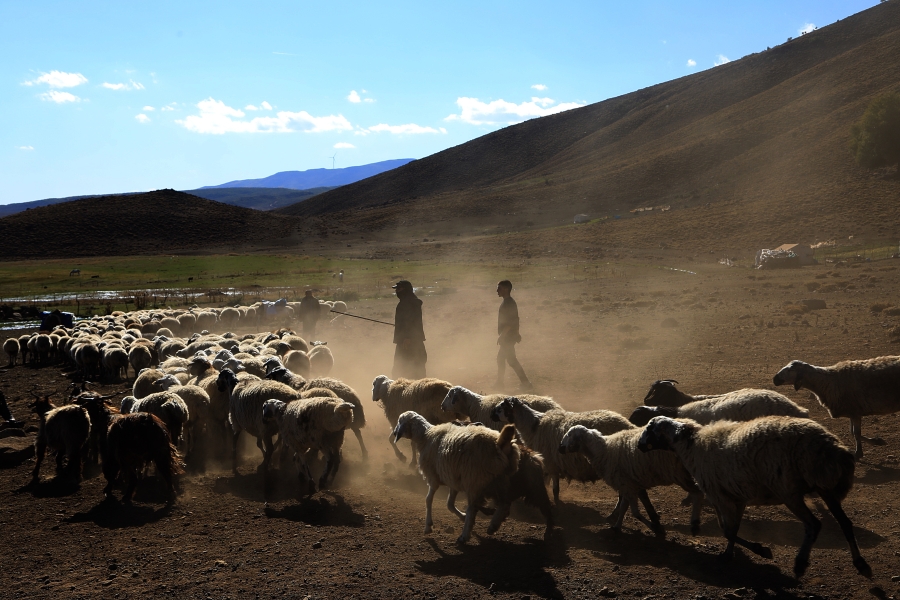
x,y
589,344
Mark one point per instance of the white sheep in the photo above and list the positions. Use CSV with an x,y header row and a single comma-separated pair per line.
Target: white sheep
x,y
168,406
852,389
321,360
11,347
197,401
311,425
423,396
478,408
740,405
542,432
768,461
246,399
465,459
631,473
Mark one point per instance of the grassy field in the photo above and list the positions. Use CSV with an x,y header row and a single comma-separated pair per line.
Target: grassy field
x,y
220,279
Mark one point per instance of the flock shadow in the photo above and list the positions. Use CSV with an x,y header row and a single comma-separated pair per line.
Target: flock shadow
x,y
327,508
508,567
877,474
112,514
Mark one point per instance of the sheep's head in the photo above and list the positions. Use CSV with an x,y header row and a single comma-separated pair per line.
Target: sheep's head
x,y
573,441
272,409
343,417
663,393
503,412
404,425
452,398
279,374
642,414
379,388
226,380
792,373
166,382
661,433
272,363
127,404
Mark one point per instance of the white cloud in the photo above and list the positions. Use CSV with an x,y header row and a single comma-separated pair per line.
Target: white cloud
x,y
409,128
539,87
722,60
476,112
691,62
369,100
250,107
131,85
168,107
142,118
148,109
284,53
59,97
354,97
807,28
25,147
265,105
344,145
58,79
217,118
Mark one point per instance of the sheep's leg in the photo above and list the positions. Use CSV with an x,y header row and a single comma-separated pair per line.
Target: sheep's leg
x,y
730,525
429,498
415,455
451,504
40,450
397,452
651,512
234,446
856,430
307,487
60,455
555,489
500,514
131,485
696,510
834,505
267,447
618,514
471,511
636,513
811,528
331,467
362,444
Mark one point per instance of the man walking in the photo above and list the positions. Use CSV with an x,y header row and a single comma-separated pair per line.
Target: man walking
x,y
309,314
409,334
508,337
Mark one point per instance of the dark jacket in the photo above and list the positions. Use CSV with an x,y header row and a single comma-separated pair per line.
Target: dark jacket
x,y
408,319
509,315
309,308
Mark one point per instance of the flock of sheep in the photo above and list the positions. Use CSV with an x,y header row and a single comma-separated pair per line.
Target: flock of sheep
x,y
194,392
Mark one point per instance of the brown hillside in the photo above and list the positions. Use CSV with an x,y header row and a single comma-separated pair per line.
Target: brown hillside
x,y
752,152
153,223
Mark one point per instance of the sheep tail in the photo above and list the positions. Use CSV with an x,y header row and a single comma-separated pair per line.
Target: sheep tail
x,y
830,468
507,447
175,462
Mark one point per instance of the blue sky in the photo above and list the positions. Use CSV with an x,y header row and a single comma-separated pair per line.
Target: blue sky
x,y
104,97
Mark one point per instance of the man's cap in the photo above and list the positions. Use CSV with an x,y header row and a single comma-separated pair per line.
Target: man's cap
x,y
402,285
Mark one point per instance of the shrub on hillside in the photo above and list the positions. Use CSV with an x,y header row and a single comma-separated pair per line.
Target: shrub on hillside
x,y
875,138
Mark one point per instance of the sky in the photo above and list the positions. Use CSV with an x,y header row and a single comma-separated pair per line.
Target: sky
x,y
108,97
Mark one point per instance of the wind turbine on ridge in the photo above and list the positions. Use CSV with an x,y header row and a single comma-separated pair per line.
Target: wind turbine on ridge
x,y
332,159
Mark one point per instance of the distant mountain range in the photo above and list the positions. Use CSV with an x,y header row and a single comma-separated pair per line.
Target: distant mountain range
x,y
314,178
276,191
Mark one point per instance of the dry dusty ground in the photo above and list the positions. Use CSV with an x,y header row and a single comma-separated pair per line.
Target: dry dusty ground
x,y
590,344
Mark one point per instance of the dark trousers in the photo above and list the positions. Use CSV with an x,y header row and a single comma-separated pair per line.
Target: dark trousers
x,y
410,362
309,329
507,354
